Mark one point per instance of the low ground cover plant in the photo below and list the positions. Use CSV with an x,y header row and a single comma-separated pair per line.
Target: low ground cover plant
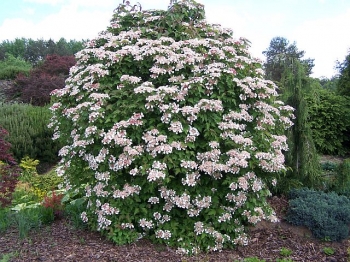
x,y
328,251
170,125
327,215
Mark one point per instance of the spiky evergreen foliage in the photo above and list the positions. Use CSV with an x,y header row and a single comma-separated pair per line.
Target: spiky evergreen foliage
x,y
327,215
302,156
29,134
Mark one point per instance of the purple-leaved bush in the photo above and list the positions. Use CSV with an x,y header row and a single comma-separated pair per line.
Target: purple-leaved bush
x,y
9,170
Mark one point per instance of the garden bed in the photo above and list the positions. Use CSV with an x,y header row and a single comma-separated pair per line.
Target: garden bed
x,y
61,242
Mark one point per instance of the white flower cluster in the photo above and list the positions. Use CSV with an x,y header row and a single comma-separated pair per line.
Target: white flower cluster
x,y
127,191
271,162
157,171
191,179
146,224
165,234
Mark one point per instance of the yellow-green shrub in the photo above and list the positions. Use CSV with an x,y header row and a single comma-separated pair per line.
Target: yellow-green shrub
x,y
46,182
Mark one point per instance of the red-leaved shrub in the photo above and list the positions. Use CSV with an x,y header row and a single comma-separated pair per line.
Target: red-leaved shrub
x,y
9,170
54,202
50,75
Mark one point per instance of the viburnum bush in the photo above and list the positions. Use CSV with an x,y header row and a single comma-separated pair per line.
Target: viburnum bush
x,y
172,130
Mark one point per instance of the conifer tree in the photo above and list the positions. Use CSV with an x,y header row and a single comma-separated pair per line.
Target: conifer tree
x,y
302,156
280,54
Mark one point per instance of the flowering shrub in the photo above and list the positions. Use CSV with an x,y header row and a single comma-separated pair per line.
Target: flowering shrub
x,y
169,123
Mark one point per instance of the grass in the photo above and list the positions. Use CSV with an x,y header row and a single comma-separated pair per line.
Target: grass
x,y
7,257
286,252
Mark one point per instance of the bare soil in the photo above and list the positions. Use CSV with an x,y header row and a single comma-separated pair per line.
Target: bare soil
x,y
61,242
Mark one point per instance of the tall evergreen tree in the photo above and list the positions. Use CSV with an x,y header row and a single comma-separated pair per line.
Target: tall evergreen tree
x,y
302,156
280,54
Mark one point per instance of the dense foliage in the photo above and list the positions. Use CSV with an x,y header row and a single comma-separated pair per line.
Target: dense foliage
x,y
329,84
343,84
35,89
28,132
329,120
9,170
170,130
11,66
341,184
36,200
327,215
301,158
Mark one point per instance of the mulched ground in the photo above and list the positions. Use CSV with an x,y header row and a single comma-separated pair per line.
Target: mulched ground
x,y
61,242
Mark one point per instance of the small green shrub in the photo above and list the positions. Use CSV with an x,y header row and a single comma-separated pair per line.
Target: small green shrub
x,y
253,259
46,182
328,251
285,252
73,211
327,215
4,219
11,66
28,166
25,194
329,166
284,260
7,257
33,188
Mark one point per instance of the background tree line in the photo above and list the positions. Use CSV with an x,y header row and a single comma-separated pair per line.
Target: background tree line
x,y
34,51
